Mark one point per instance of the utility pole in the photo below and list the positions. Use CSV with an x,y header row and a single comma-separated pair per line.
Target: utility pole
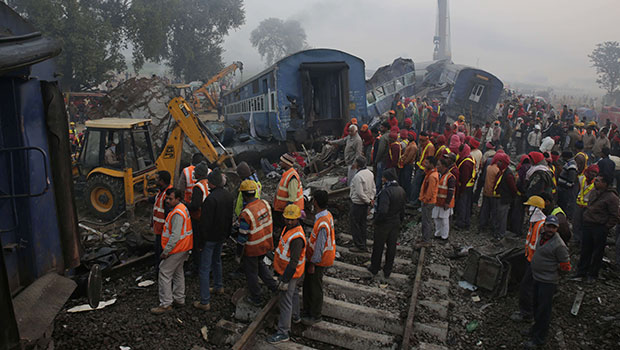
x,y
442,33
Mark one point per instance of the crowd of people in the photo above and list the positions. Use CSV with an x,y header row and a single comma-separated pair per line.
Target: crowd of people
x,y
557,191
534,173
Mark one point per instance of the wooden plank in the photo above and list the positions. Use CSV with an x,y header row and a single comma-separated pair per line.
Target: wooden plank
x,y
254,327
412,303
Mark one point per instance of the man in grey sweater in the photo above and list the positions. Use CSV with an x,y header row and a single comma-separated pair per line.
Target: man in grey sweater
x,y
362,194
551,257
353,148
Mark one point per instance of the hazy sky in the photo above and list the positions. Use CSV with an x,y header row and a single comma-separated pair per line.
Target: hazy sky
x,y
543,42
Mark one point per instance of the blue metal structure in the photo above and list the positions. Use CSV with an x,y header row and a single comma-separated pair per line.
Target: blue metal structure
x,y
35,176
387,81
464,90
309,93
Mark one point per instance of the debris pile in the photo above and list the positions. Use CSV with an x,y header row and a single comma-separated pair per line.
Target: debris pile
x,y
139,98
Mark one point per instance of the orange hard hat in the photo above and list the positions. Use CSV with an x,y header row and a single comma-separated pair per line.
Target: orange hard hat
x,y
364,127
354,121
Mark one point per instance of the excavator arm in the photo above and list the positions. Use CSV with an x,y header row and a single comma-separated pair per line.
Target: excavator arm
x,y
203,89
188,125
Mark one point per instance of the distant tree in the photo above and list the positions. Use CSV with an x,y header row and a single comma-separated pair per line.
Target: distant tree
x,y
185,34
606,59
89,33
275,38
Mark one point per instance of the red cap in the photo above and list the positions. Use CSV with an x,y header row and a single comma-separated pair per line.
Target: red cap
x,y
403,134
393,135
411,133
408,122
536,157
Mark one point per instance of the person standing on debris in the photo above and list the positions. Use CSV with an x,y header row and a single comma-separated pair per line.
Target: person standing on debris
x,y
586,185
428,198
407,160
394,151
464,189
289,190
504,193
246,173
289,262
188,178
567,183
487,181
199,194
534,139
160,211
380,156
362,193
367,140
426,149
256,237
321,252
215,227
552,209
581,158
445,200
550,257
537,219
599,217
176,242
352,149
390,213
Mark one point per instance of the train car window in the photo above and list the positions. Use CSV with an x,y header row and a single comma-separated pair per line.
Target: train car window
x,y
272,105
399,84
390,87
379,92
255,87
370,97
476,92
409,78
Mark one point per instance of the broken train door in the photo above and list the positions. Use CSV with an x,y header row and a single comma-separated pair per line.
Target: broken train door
x,y
325,95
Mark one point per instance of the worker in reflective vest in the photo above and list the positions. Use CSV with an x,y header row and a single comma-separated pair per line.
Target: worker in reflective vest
x,y
464,189
246,173
289,262
321,253
289,190
426,149
176,243
445,199
160,210
256,239
187,180
586,185
536,204
199,194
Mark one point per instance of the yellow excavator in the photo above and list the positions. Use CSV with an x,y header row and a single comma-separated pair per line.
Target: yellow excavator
x,y
204,89
119,163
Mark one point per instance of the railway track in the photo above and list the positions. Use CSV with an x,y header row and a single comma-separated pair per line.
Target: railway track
x,y
407,311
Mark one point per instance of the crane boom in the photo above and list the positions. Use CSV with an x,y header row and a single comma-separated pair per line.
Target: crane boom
x,y
203,89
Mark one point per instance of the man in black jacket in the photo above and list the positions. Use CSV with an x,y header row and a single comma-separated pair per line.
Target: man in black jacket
x,y
390,212
215,226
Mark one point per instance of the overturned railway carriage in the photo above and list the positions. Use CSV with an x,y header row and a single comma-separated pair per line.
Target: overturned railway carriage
x,y
307,94
386,82
464,90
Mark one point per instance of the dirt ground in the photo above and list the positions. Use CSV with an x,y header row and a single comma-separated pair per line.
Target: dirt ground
x,y
128,322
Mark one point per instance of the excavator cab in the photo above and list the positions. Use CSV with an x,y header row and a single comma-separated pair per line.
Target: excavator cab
x,y
119,164
117,158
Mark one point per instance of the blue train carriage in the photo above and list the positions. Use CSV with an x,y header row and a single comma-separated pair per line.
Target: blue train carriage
x,y
307,94
38,220
474,93
387,81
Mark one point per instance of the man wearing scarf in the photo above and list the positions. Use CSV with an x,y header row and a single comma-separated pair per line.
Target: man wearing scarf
x,y
539,177
464,189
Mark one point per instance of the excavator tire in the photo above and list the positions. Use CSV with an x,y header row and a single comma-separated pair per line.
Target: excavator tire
x,y
105,196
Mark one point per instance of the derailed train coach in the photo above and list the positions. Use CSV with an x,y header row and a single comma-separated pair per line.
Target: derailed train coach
x,y
307,94
386,82
463,90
